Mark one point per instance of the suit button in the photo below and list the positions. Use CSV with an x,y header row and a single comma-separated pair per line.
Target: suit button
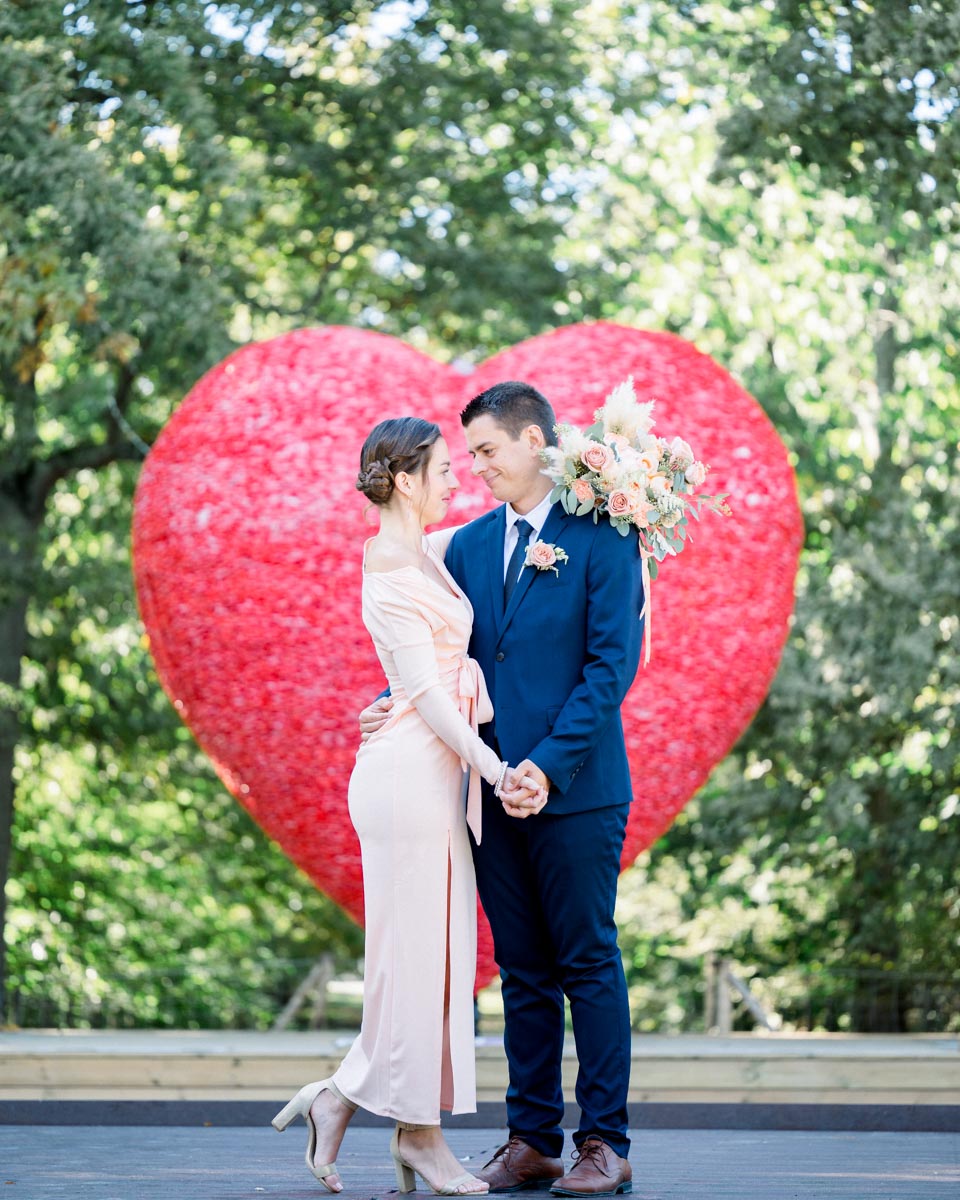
x,y
501,656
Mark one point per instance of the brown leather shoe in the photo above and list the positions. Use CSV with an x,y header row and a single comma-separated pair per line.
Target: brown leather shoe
x,y
516,1167
596,1171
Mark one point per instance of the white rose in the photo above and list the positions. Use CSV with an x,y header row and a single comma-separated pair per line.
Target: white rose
x,y
680,452
695,474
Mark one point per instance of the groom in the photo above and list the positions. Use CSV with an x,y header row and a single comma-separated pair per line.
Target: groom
x,y
559,647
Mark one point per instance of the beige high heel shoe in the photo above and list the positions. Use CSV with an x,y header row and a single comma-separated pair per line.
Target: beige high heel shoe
x,y
407,1174
300,1106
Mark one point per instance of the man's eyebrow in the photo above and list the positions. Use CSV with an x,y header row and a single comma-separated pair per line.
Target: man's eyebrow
x,y
481,446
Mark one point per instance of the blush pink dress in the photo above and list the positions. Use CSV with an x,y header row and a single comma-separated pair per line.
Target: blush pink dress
x,y
408,800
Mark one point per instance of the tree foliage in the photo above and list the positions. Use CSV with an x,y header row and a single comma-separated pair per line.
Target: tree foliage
x,y
178,176
775,182
828,834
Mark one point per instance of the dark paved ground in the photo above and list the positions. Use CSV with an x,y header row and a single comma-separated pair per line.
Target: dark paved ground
x,y
178,1163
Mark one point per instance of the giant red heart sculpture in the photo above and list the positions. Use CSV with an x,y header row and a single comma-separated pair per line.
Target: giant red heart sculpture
x,y
247,536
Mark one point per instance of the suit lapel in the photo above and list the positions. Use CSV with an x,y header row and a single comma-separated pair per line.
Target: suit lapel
x,y
549,533
493,562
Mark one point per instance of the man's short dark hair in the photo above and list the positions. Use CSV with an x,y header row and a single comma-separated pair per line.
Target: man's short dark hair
x,y
513,406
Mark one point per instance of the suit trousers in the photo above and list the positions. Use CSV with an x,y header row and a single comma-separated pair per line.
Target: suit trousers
x,y
548,884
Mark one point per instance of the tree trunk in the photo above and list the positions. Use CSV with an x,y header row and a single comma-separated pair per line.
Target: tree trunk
x,y
880,999
28,475
17,567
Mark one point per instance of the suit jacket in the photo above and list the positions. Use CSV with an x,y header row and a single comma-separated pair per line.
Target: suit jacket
x,y
561,658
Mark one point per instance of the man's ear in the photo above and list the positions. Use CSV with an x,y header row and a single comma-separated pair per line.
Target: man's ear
x,y
534,437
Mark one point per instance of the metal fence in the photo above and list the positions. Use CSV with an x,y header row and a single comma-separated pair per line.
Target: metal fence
x,y
251,994
836,1000
265,994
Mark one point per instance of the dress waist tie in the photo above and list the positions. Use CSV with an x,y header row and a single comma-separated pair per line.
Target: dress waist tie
x,y
475,708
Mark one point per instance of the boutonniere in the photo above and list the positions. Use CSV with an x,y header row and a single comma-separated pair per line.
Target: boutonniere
x,y
545,556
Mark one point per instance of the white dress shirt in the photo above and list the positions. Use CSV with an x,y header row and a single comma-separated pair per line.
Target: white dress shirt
x,y
535,517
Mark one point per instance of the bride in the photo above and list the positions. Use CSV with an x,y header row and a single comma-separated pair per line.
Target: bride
x,y
414,1056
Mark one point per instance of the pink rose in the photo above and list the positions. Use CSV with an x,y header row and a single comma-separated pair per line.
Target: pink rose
x,y
596,456
621,503
695,474
582,490
541,555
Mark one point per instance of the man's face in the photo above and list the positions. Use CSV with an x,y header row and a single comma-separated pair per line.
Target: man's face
x,y
511,468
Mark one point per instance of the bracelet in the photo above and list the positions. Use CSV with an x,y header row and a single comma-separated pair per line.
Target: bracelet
x,y
503,775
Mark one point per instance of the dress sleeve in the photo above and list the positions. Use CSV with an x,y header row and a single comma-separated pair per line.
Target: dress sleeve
x,y
408,636
439,539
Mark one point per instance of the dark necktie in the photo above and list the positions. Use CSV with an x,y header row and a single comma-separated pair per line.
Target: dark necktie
x,y
524,529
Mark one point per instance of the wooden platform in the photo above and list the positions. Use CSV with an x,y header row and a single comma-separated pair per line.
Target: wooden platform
x,y
742,1068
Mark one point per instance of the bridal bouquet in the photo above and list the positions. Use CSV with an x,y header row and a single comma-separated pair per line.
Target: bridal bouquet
x,y
619,469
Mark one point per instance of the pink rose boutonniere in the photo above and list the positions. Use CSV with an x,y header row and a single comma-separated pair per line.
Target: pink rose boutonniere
x,y
545,556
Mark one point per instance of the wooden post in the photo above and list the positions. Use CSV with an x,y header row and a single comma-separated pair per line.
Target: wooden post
x,y
324,973
315,984
710,992
723,1002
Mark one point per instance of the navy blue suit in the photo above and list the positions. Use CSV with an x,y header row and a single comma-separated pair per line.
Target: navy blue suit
x,y
558,663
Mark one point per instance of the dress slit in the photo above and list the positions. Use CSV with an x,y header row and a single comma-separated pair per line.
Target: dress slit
x,y
446,1062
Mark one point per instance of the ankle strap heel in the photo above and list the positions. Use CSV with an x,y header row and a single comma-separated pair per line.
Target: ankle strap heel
x,y
461,1185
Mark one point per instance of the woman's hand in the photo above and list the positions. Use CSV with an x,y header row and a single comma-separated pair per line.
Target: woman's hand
x,y
525,791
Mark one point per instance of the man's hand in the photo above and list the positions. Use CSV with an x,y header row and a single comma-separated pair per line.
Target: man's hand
x,y
525,790
530,768
374,716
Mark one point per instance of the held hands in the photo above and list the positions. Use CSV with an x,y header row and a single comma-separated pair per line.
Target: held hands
x,y
374,716
525,790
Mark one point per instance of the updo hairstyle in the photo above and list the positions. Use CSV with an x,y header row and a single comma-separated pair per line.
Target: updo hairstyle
x,y
398,444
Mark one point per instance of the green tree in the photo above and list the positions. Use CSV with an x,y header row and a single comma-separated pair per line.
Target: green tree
x,y
178,177
816,260
865,103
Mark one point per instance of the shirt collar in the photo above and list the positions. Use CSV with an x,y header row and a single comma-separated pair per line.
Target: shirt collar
x,y
536,516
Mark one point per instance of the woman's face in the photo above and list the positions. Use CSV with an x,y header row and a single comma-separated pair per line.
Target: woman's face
x,y
436,485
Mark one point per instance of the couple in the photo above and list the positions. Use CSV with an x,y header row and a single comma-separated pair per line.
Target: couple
x,y
548,606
